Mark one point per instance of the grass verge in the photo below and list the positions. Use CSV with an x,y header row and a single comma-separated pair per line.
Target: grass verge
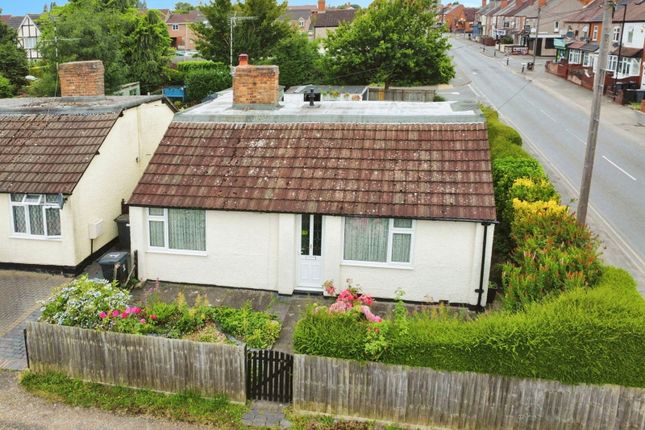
x,y
187,407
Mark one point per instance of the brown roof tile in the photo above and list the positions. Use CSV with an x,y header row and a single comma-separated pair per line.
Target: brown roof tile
x,y
424,171
49,153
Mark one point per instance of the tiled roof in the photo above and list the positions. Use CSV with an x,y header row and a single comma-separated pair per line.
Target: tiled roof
x,y
5,19
333,17
48,153
422,171
627,52
183,18
470,13
15,21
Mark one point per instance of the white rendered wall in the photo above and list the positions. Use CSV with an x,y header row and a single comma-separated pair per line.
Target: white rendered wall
x,y
115,171
52,252
260,251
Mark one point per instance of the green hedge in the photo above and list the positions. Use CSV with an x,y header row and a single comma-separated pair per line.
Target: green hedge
x,y
504,140
189,66
582,336
202,82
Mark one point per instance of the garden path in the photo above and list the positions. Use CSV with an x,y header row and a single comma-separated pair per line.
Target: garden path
x,y
19,410
20,296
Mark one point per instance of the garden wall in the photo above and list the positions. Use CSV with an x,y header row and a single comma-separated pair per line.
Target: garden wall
x,y
155,363
422,396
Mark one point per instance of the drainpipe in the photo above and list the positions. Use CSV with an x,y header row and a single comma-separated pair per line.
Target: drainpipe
x,y
480,291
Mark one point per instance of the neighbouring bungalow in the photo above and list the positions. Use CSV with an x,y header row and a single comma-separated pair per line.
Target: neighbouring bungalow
x,y
247,191
66,163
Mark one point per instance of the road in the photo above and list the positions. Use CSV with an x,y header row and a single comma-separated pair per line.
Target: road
x,y
554,125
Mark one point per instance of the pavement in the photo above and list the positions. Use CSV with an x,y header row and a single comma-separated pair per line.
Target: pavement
x,y
552,115
20,410
266,414
20,293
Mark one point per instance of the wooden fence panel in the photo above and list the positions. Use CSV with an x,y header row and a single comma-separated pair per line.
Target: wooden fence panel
x,y
156,363
421,396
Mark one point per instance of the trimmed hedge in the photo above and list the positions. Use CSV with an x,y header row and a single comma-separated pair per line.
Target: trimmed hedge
x,y
202,82
581,336
190,66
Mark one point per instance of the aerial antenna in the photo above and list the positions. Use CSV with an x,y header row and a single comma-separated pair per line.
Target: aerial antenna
x,y
232,21
55,41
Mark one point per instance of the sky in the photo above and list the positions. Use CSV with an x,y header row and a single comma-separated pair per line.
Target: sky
x,y
21,7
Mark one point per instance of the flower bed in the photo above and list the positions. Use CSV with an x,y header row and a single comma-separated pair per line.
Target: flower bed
x,y
99,305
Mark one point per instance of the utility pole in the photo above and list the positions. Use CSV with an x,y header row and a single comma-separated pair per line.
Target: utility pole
x,y
592,135
537,33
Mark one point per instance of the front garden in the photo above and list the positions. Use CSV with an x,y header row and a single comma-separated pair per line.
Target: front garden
x,y
99,305
565,315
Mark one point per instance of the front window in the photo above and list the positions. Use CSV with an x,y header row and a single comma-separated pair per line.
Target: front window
x,y
574,56
177,229
630,35
616,36
378,240
35,215
595,33
175,27
613,63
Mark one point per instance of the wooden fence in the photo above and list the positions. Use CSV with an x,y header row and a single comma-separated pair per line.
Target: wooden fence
x,y
138,361
405,94
421,396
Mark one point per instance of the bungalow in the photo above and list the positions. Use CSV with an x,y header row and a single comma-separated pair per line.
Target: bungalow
x,y
247,191
66,163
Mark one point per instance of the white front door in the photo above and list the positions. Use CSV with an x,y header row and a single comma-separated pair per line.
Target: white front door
x,y
310,259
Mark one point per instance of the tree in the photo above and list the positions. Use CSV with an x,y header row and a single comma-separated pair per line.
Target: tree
x,y
6,89
393,42
256,37
298,59
146,50
183,7
13,60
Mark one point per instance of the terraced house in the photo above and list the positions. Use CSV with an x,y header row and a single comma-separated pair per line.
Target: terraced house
x,y
249,191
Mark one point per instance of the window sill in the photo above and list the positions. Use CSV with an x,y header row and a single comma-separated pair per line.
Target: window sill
x,y
178,252
401,266
27,237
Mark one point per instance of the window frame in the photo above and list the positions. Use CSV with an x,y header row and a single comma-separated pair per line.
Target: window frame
x,y
594,34
166,238
390,239
612,63
616,34
574,53
174,27
44,206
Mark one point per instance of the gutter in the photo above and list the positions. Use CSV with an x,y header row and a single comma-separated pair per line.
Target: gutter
x,y
480,291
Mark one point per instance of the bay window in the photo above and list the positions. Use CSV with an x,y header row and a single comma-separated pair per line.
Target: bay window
x,y
35,215
378,240
574,56
177,229
612,63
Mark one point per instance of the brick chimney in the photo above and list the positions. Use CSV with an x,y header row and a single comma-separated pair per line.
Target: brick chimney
x,y
81,78
483,3
503,4
255,87
321,5
541,3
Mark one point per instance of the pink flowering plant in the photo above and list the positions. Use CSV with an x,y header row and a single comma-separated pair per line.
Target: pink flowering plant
x,y
351,299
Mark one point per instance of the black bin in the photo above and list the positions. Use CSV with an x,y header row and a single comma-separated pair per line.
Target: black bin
x,y
109,260
123,225
529,65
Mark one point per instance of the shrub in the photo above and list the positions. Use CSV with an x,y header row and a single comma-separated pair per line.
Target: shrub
x,y
6,89
80,302
202,82
504,141
554,254
581,336
190,66
507,170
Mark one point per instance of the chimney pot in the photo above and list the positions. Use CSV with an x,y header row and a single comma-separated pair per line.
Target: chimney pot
x,y
243,60
483,3
82,78
321,5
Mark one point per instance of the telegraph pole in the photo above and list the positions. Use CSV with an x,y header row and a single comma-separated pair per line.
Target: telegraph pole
x,y
592,135
537,33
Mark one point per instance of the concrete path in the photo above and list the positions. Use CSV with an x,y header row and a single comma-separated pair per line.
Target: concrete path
x,y
20,296
19,410
552,115
266,414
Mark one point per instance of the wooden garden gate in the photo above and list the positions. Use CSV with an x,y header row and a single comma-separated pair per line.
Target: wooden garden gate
x,y
269,375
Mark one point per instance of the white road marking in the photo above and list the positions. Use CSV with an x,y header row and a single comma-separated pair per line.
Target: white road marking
x,y
549,116
576,137
619,168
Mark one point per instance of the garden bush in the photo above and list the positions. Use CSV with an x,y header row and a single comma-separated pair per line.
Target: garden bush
x,y
6,89
200,83
102,306
581,336
190,66
504,141
80,302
